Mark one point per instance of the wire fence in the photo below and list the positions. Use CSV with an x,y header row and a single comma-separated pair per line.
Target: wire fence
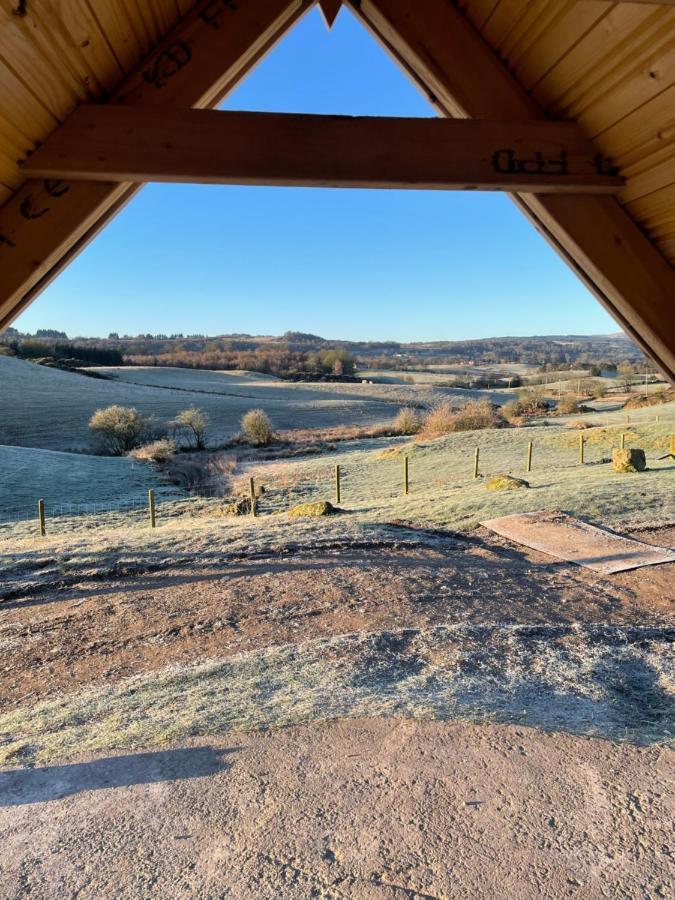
x,y
355,482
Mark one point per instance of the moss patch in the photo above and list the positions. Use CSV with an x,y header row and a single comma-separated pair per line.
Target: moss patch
x,y
313,510
506,483
632,460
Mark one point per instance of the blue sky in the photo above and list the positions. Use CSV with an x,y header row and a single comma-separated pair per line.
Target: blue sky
x,y
399,265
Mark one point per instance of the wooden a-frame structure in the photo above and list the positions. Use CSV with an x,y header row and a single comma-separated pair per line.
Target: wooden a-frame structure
x,y
571,102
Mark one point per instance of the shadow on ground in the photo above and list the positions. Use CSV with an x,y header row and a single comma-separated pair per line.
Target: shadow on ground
x,y
38,785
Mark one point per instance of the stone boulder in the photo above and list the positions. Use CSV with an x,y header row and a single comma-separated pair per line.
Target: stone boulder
x,y
632,460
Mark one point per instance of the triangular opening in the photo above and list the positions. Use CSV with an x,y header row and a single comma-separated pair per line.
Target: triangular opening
x,y
340,72
411,263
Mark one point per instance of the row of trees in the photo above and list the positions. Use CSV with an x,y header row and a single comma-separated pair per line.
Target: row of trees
x,y
272,360
59,350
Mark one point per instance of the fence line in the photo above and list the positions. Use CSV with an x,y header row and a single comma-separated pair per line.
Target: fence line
x,y
297,490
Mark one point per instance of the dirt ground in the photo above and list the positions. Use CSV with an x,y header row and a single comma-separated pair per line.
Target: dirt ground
x,y
375,808
92,633
361,808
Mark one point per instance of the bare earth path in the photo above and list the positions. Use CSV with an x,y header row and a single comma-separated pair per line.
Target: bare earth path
x,y
353,808
95,632
379,808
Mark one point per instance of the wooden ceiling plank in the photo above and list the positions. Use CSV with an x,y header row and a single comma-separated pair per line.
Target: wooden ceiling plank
x,y
116,26
608,73
593,234
645,131
478,11
35,60
640,83
575,69
556,41
120,143
44,224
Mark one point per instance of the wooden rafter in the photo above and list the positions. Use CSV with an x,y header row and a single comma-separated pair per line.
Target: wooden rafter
x,y
135,143
330,10
47,222
463,77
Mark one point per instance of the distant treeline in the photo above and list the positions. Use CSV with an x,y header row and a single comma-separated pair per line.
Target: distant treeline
x,y
60,351
296,352
269,360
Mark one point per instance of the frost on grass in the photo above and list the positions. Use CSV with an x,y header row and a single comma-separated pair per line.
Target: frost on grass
x,y
616,683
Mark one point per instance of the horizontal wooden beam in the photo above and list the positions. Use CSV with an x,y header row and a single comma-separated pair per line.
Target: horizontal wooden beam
x,y
118,143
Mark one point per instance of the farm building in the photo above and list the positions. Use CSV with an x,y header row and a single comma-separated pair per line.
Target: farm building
x,y
569,105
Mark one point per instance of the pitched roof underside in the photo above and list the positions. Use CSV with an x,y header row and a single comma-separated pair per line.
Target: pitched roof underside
x,y
610,66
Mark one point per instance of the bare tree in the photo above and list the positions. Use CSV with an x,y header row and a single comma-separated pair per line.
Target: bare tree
x,y
192,422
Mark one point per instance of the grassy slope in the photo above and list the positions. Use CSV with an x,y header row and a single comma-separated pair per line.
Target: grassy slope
x,y
50,409
67,478
443,492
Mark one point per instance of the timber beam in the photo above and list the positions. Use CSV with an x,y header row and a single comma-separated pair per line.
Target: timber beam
x,y
133,143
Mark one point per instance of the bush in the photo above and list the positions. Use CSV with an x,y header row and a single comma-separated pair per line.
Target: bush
x,y
439,420
568,406
160,451
473,416
407,421
257,428
478,414
118,429
192,423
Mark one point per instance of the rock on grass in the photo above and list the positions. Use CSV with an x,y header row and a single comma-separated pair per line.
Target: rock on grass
x,y
506,483
632,460
313,510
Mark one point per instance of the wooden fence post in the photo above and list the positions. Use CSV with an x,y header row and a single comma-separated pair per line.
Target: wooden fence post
x,y
151,507
337,484
529,457
581,449
41,517
251,491
476,456
406,483
623,441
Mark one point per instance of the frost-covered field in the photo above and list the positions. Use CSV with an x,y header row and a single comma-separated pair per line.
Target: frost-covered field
x,y
71,482
50,409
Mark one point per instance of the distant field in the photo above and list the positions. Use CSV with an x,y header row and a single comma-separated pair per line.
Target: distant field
x,y
436,380
50,409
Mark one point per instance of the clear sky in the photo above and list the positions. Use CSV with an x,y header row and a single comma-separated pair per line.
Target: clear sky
x,y
399,265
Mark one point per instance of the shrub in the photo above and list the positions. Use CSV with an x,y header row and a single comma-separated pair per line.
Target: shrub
x,y
568,406
478,414
160,451
257,428
118,429
474,415
407,421
439,420
192,422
